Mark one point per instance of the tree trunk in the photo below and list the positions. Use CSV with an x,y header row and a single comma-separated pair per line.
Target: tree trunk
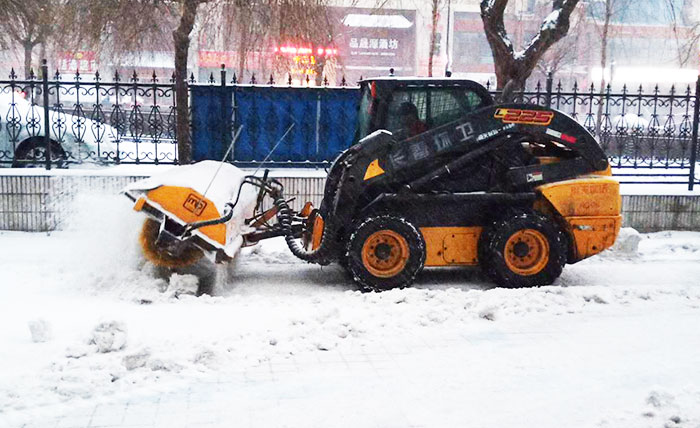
x,y
433,36
28,47
319,67
603,65
181,39
511,77
242,49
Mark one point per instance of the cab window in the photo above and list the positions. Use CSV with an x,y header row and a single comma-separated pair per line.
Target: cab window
x,y
413,111
449,104
407,113
364,114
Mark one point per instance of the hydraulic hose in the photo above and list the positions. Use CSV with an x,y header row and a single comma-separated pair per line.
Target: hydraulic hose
x,y
228,213
284,217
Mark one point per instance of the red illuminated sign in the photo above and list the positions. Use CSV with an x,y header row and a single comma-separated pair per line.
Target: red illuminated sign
x,y
302,50
83,61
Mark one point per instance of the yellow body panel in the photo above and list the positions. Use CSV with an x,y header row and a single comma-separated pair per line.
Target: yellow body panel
x,y
373,170
317,233
591,196
591,207
189,206
593,234
138,206
607,172
451,246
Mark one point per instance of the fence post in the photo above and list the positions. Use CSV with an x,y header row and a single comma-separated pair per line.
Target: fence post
x,y
694,144
224,122
548,97
47,125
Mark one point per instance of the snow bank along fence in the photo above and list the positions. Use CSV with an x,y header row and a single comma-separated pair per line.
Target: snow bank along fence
x,y
44,203
651,133
37,203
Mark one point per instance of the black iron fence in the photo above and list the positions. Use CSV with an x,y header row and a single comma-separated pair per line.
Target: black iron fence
x,y
58,121
648,136
62,121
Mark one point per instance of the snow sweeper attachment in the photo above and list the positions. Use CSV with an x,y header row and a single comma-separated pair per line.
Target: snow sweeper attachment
x,y
193,211
213,209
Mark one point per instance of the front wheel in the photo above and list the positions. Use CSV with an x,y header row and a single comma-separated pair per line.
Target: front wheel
x,y
385,252
525,249
32,154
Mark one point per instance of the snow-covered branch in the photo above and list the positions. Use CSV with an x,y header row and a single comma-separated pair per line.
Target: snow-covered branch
x,y
553,28
515,67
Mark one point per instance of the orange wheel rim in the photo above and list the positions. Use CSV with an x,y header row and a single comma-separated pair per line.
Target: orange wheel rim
x,y
385,253
527,252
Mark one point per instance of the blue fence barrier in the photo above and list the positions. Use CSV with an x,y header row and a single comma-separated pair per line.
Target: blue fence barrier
x,y
212,108
304,126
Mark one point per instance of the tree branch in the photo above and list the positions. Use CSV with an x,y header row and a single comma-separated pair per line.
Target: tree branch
x,y
553,28
492,12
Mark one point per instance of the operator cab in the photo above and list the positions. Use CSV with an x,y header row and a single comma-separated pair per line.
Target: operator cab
x,y
408,106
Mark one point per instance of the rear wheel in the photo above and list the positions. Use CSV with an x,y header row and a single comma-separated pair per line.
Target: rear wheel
x,y
385,252
524,249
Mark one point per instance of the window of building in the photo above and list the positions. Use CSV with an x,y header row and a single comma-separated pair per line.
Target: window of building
x,y
640,12
472,48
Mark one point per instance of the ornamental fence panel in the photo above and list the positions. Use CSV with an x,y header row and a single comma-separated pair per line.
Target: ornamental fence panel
x,y
650,135
59,121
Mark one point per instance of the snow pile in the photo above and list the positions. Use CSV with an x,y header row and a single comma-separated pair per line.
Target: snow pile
x,y
179,285
109,337
666,408
662,408
670,246
197,338
40,331
627,242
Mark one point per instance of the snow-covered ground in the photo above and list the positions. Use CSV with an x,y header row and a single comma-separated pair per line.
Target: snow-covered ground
x,y
92,336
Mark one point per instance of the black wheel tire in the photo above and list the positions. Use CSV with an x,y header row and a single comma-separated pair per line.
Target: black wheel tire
x,y
31,154
402,236
492,251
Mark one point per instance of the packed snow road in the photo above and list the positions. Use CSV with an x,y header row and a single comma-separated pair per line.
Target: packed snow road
x,y
93,336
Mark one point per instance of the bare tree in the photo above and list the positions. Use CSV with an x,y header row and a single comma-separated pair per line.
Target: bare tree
x,y
686,36
139,23
27,23
514,67
603,23
434,16
257,25
562,55
181,39
603,19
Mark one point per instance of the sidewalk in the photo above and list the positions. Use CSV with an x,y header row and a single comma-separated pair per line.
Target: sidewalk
x,y
585,370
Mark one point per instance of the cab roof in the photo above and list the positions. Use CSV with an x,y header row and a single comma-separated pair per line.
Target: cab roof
x,y
388,83
419,80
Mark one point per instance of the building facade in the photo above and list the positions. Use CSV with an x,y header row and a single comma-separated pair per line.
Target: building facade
x,y
650,41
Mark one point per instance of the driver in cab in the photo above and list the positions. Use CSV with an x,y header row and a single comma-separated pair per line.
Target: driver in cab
x,y
410,122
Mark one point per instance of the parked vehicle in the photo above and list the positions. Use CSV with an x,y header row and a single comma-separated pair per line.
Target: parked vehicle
x,y
73,138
